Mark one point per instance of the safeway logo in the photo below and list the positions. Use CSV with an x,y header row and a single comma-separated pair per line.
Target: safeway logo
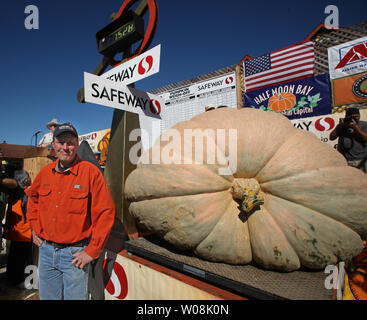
x,y
115,279
355,54
137,68
229,80
145,65
324,124
155,107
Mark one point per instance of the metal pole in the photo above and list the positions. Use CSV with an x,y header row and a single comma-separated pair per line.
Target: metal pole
x,y
36,134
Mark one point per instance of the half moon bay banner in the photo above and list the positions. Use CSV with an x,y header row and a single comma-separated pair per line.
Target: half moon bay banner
x,y
307,97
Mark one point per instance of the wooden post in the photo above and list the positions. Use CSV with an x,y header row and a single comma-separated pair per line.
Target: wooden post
x,y
118,165
239,84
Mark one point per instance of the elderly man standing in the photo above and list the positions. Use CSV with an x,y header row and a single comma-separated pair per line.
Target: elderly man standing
x,y
71,213
48,137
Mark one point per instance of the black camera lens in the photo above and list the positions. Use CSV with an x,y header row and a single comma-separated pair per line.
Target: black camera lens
x,y
348,120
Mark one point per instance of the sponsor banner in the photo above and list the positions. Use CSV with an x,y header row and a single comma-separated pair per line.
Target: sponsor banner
x,y
350,89
297,99
94,138
107,93
136,69
322,126
216,84
125,279
348,58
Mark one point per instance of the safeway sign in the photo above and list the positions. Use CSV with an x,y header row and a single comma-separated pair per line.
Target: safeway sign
x,y
136,69
112,94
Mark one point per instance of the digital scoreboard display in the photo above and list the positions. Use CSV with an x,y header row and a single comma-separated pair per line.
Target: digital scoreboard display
x,y
120,34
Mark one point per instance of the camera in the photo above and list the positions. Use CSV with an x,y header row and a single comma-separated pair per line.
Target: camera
x,y
348,120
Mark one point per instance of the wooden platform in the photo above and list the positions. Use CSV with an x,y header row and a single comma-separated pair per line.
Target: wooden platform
x,y
249,281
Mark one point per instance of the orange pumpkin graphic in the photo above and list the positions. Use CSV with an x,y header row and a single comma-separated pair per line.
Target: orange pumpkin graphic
x,y
103,148
282,101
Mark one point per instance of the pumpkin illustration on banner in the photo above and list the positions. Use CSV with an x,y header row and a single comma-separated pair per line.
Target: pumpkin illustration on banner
x,y
282,101
283,199
103,148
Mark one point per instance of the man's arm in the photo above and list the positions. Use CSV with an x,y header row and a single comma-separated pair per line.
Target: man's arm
x,y
103,213
32,209
8,183
337,130
359,132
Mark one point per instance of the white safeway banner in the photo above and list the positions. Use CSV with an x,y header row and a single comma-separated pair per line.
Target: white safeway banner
x,y
111,94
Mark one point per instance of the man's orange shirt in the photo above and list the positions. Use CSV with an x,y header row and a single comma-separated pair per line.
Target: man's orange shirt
x,y
70,206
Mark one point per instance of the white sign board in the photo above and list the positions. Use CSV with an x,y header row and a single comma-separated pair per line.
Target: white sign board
x,y
137,68
111,94
216,84
185,103
348,58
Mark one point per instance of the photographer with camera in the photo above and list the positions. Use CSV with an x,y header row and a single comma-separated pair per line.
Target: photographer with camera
x,y
352,134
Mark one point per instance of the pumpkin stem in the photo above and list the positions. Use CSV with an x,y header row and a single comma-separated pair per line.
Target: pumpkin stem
x,y
248,192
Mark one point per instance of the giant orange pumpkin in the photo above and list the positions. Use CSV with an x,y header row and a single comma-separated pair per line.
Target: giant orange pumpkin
x,y
282,101
291,200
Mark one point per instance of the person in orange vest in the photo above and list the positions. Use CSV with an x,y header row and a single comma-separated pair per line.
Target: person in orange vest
x,y
7,183
18,231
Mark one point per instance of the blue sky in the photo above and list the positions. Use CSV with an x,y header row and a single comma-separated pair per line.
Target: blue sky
x,y
42,70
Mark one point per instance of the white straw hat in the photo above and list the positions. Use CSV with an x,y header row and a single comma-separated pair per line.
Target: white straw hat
x,y
54,121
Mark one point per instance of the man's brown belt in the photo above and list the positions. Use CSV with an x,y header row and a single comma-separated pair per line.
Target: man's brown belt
x,y
80,243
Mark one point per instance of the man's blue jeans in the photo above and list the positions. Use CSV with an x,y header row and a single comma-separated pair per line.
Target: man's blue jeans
x,y
58,278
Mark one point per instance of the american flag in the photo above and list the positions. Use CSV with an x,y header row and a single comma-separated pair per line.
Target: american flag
x,y
288,64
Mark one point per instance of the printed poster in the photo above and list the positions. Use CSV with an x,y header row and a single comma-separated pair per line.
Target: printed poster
x,y
348,58
95,139
307,97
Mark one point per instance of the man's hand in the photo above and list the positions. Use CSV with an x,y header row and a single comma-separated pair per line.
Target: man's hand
x,y
36,239
81,259
353,124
